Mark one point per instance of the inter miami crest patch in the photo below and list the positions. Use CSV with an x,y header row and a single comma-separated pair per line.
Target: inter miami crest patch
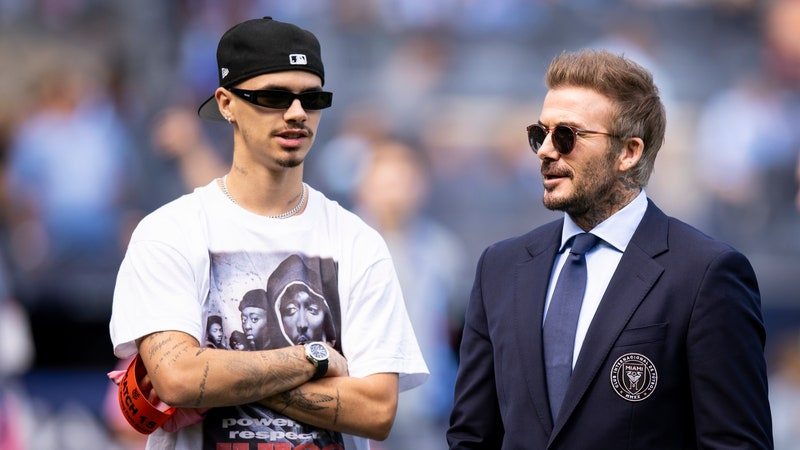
x,y
634,377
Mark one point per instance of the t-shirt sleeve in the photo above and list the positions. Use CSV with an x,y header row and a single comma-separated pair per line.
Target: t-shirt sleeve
x,y
378,336
155,291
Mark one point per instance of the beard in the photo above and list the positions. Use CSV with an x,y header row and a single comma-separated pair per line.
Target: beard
x,y
290,162
592,189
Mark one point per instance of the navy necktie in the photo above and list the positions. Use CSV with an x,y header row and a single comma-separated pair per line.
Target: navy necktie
x,y
562,320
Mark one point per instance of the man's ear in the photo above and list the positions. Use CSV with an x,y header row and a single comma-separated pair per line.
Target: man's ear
x,y
223,97
630,154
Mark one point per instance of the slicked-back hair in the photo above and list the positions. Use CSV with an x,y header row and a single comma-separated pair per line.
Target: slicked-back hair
x,y
639,111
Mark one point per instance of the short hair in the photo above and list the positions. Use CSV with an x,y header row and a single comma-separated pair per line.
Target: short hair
x,y
213,320
639,111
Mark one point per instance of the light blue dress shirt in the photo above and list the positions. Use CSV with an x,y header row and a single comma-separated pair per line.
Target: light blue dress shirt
x,y
601,262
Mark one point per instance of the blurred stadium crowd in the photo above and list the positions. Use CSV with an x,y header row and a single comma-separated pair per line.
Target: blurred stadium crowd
x,y
426,141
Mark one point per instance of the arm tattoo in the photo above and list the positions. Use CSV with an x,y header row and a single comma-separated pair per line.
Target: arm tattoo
x,y
180,347
200,350
202,387
276,357
338,405
305,402
183,348
246,373
158,344
253,377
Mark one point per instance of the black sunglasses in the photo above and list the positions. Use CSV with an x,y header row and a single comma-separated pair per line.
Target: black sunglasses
x,y
282,99
564,136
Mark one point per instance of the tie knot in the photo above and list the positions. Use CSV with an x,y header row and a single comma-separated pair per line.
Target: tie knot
x,y
583,243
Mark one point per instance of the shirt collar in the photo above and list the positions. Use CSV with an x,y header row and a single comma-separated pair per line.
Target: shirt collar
x,y
616,230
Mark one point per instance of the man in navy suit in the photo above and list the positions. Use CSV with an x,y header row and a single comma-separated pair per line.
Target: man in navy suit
x,y
664,348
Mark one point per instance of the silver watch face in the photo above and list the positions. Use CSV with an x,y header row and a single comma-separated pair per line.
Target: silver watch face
x,y
317,351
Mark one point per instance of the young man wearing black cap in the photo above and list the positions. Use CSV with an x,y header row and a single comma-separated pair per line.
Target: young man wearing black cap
x,y
198,255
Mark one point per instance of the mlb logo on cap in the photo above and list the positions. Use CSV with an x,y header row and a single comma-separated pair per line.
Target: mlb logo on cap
x,y
297,59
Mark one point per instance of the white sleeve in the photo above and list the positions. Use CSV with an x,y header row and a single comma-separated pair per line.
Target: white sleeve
x,y
155,291
378,336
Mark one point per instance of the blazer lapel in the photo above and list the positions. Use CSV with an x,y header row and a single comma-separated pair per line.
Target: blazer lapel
x,y
530,290
635,275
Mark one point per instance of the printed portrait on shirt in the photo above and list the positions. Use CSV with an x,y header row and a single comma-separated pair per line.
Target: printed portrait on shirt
x,y
263,301
255,319
237,341
214,333
299,305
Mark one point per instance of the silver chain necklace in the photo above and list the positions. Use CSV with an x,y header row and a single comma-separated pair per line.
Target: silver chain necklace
x,y
286,215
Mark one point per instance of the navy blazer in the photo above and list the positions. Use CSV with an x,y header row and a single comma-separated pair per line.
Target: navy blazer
x,y
686,307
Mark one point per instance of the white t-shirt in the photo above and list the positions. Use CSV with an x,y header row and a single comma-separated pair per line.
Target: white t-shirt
x,y
233,279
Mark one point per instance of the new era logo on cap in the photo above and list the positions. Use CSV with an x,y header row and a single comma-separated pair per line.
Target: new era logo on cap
x,y
297,59
225,72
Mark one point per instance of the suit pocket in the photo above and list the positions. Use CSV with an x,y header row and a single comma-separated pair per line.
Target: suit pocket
x,y
642,335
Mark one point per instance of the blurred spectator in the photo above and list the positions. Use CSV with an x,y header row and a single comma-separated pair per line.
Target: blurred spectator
x,y
745,171
430,262
341,160
68,180
782,45
412,73
186,157
16,357
16,345
748,168
16,341
485,178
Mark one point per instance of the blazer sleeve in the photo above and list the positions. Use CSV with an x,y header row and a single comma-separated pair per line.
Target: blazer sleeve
x,y
475,420
725,347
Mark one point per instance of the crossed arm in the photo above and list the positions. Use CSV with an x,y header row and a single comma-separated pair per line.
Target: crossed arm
x,y
344,404
184,374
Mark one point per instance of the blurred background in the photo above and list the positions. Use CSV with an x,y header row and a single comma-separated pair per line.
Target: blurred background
x,y
426,141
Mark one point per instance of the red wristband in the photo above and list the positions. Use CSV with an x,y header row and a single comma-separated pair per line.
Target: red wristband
x,y
143,416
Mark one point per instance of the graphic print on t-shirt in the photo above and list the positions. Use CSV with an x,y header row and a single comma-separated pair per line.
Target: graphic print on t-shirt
x,y
260,301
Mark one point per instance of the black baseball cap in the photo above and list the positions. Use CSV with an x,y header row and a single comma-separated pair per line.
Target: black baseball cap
x,y
259,46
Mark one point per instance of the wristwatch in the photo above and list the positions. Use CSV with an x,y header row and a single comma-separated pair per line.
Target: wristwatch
x,y
317,354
